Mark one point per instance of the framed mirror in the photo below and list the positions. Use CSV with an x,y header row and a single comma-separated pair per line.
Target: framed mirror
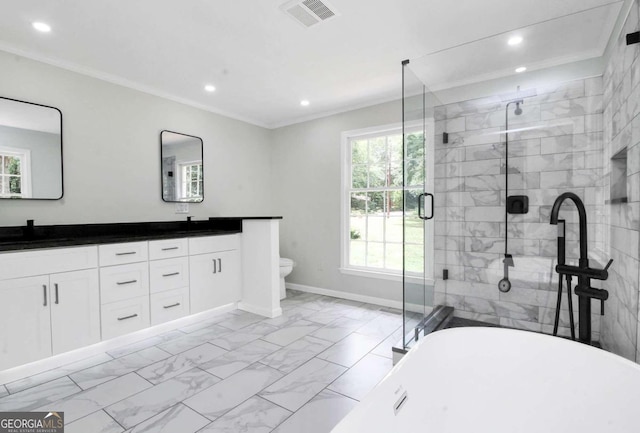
x,y
30,151
181,167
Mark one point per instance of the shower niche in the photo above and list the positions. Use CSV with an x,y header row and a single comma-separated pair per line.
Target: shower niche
x,y
618,187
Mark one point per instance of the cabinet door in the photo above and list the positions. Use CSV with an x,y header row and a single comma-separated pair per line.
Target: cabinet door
x,y
229,276
25,321
75,310
214,280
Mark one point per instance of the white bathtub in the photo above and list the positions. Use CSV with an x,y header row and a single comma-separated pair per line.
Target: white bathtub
x,y
477,380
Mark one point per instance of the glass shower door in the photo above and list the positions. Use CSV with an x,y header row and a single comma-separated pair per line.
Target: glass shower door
x,y
418,207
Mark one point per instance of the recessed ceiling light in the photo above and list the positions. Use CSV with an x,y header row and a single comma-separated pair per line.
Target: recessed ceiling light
x,y
42,27
304,103
210,88
521,69
515,40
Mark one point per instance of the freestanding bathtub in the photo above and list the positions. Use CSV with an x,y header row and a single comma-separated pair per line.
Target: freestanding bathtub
x,y
491,380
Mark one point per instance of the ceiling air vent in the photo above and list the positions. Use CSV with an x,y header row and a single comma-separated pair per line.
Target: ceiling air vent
x,y
309,12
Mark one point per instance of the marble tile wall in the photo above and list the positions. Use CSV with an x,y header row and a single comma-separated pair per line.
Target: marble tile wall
x,y
622,130
555,146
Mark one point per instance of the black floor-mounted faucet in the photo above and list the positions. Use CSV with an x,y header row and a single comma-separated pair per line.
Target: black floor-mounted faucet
x,y
584,273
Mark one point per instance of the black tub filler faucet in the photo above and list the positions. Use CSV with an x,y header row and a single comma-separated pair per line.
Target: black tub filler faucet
x,y
583,272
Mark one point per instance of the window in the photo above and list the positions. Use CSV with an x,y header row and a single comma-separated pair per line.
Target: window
x,y
14,173
191,184
373,201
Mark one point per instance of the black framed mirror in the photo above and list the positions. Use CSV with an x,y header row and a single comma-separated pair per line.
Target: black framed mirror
x,y
30,151
182,169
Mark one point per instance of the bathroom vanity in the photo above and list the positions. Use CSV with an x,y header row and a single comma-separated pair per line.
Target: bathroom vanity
x,y
68,287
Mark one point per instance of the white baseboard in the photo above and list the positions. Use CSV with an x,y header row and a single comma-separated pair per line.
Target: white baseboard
x,y
276,312
56,361
416,308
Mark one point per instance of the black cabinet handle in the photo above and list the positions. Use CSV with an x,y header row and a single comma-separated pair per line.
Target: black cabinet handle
x,y
215,268
44,290
128,317
169,248
171,306
57,297
171,274
220,265
125,254
122,283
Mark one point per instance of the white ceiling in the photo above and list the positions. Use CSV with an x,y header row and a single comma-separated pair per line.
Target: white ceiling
x,y
263,63
550,43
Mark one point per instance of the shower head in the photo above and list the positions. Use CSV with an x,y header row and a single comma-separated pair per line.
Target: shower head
x,y
518,110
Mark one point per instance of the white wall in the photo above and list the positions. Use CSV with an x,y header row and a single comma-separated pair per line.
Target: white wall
x,y
111,151
306,179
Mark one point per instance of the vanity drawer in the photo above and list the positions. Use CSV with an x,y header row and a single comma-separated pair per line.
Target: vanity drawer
x,y
123,317
171,305
168,248
47,261
169,274
119,254
122,282
213,244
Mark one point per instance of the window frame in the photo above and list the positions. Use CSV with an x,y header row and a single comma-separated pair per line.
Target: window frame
x,y
345,204
25,170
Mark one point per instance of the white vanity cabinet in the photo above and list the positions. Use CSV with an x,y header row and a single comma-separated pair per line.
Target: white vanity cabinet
x,y
57,299
47,313
169,276
124,288
214,271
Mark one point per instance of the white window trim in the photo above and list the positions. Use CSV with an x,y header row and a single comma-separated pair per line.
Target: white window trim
x,y
345,175
25,155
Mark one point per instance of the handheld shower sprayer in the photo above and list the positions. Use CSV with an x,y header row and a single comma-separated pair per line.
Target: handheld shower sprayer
x,y
504,285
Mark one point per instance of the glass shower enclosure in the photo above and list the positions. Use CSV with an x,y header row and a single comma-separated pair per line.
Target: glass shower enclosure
x,y
419,206
496,147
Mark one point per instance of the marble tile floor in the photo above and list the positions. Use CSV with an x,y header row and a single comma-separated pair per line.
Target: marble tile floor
x,y
239,372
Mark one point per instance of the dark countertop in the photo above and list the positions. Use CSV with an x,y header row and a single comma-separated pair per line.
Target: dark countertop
x,y
53,236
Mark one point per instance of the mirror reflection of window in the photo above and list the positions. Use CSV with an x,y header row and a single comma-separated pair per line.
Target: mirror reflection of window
x,y
30,151
191,181
182,167
15,173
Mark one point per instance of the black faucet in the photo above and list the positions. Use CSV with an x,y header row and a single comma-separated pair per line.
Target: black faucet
x,y
584,273
28,232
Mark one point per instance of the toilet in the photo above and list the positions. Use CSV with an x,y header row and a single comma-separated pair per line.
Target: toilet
x,y
286,266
